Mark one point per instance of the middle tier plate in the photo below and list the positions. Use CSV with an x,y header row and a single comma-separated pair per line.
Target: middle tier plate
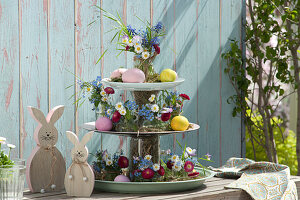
x,y
142,86
91,127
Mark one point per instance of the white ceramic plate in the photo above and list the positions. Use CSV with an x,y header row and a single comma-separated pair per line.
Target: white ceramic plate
x,y
142,86
91,127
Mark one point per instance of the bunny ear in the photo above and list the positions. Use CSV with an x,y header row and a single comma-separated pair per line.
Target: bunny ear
x,y
37,114
55,114
72,137
87,138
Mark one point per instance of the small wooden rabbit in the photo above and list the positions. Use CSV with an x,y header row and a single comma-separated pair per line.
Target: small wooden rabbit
x,y
45,168
79,179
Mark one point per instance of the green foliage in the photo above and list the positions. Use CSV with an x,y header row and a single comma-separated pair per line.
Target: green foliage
x,y
286,145
5,160
261,76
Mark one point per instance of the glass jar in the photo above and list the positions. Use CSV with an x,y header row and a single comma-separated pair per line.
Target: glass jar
x,y
12,181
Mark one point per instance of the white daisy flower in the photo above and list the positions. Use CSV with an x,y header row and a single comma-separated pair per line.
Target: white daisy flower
x,y
137,39
125,39
174,158
104,99
145,55
137,44
105,156
11,146
155,108
138,49
119,106
122,112
2,139
130,43
148,157
156,167
109,162
152,98
102,93
190,151
108,111
178,166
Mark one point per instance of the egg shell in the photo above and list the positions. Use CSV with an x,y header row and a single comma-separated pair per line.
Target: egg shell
x,y
133,75
122,178
118,73
103,124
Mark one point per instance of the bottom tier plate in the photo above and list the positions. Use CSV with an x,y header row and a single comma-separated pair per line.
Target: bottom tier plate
x,y
153,187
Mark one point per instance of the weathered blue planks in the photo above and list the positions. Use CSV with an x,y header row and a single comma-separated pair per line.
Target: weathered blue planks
x,y
208,79
62,62
87,51
55,38
9,72
34,68
231,14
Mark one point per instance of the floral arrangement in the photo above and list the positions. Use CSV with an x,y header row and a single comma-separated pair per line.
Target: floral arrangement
x,y
128,116
107,167
98,95
172,167
5,159
144,43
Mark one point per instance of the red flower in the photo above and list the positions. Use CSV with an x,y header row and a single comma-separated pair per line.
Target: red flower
x,y
109,90
116,116
193,174
161,171
123,162
127,47
184,96
165,116
147,173
157,48
170,164
188,166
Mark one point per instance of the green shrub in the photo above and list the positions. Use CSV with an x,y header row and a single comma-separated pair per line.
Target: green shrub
x,y
286,145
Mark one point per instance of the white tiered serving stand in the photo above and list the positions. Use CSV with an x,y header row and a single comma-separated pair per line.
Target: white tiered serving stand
x,y
147,143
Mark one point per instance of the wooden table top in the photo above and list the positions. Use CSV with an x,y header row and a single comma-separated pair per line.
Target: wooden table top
x,y
213,189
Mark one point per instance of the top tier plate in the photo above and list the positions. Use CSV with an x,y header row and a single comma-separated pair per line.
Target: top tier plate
x,y
142,86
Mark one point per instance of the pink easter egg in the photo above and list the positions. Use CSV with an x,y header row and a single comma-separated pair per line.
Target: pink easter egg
x,y
118,73
122,178
103,124
133,75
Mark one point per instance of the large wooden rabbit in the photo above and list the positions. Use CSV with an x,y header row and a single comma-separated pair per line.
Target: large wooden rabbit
x,y
79,179
45,168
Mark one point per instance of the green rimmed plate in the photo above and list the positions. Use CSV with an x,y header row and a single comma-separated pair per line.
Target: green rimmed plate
x,y
152,187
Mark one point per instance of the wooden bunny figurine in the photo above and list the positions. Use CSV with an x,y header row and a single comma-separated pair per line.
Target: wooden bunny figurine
x,y
79,179
45,168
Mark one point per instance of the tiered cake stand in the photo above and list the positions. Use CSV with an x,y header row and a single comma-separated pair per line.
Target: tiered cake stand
x,y
147,143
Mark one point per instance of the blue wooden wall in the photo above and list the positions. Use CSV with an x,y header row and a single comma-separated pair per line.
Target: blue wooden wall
x,y
42,42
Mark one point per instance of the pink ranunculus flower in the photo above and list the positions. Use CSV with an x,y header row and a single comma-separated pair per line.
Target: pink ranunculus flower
x,y
188,166
147,173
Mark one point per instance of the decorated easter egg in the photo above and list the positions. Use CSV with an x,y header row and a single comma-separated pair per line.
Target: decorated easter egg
x,y
122,178
118,73
179,123
103,124
168,75
133,75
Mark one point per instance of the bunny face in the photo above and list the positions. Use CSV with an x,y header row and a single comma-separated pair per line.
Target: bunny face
x,y
80,153
47,136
